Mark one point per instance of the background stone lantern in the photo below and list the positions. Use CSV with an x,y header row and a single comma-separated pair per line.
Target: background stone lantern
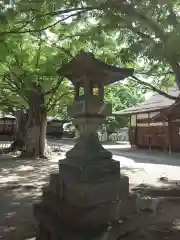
x,y
84,196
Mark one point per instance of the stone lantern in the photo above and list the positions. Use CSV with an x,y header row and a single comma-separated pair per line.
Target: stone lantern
x,y
89,109
83,197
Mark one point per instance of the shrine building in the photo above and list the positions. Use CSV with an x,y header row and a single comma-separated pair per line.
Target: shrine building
x,y
155,123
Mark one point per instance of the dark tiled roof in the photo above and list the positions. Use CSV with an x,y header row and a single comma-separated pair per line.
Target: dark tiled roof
x,y
156,102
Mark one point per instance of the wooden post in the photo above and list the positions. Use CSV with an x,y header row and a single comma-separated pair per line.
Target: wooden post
x,y
101,91
91,86
164,136
135,133
4,126
149,128
87,93
12,126
131,134
169,136
77,88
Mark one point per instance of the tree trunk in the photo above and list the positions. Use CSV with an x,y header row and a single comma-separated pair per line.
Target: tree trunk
x,y
19,137
35,143
35,140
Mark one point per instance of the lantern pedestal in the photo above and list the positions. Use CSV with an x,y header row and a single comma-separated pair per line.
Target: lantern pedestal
x,y
88,147
84,197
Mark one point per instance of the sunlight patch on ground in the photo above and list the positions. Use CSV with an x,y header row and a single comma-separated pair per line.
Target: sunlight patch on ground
x,y
124,160
176,224
5,179
9,214
9,229
147,172
56,158
116,146
25,168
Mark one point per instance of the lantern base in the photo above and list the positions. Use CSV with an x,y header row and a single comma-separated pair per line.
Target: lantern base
x,y
88,148
86,195
84,210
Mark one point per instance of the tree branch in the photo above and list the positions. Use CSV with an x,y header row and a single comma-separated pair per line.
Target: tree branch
x,y
155,75
151,87
13,83
55,13
59,12
128,9
78,12
13,53
53,90
62,48
71,36
7,102
138,32
16,88
39,50
51,106
172,17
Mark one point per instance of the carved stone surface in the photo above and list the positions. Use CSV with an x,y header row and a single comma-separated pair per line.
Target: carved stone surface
x,y
56,184
83,206
89,171
89,195
94,106
91,218
52,226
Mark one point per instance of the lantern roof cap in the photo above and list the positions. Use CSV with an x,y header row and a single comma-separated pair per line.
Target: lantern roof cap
x,y
85,65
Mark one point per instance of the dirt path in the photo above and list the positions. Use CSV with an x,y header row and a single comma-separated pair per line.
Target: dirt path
x,y
21,182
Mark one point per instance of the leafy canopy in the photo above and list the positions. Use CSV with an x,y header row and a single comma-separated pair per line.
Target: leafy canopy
x,y
31,53
31,59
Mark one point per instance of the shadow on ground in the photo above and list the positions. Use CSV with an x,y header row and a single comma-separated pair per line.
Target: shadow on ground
x,y
20,186
165,223
170,190
154,231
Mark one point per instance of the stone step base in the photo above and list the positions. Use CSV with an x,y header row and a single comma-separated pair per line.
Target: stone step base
x,y
80,218
51,227
85,195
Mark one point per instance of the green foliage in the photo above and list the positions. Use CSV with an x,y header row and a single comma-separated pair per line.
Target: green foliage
x,y
37,37
31,54
27,59
124,95
114,123
148,32
138,33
